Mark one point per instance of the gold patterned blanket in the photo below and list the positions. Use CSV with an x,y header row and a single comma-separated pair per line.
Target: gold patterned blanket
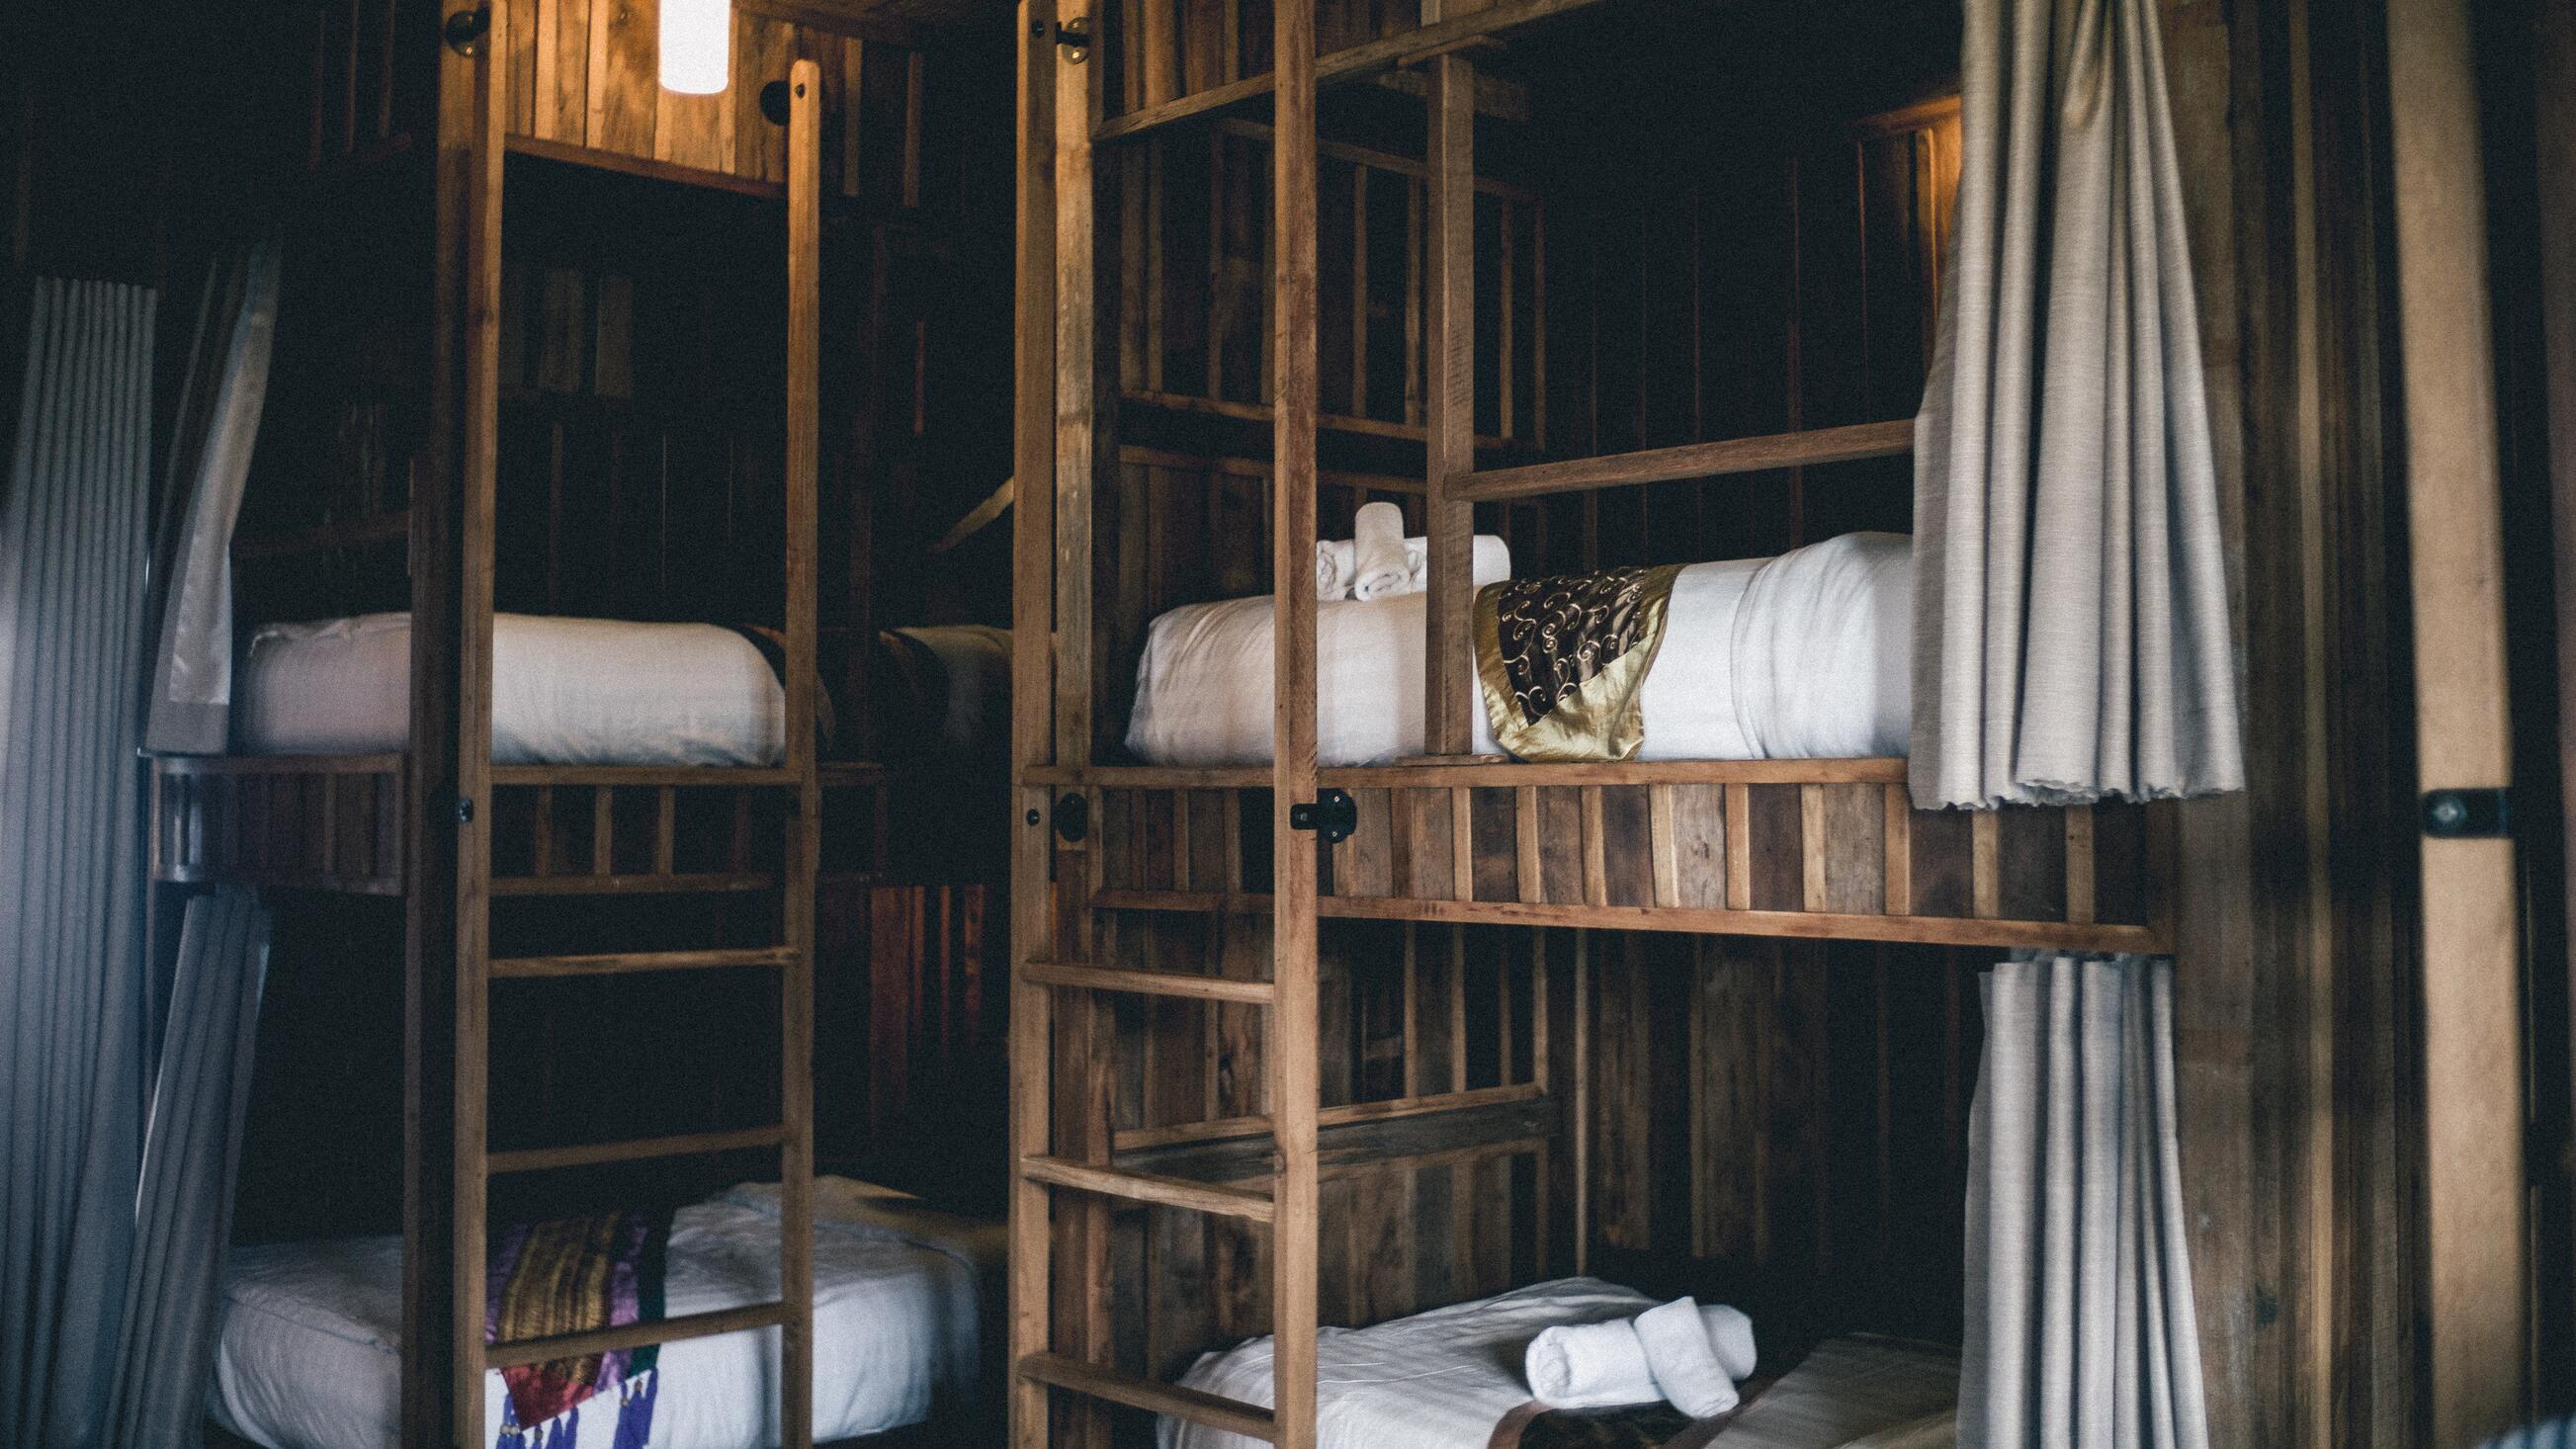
x,y
1562,661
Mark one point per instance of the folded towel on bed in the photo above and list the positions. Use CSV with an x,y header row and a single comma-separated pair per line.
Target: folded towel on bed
x,y
573,1275
1336,561
1377,540
1684,1363
1594,1365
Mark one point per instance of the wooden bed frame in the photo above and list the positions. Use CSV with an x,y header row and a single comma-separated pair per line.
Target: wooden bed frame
x,y
1807,849
449,832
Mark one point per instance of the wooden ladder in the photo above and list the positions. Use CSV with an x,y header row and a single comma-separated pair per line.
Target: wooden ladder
x,y
1065,1348
448,1036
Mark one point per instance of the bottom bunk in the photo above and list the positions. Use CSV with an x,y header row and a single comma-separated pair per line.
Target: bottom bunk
x,y
1454,1378
307,1350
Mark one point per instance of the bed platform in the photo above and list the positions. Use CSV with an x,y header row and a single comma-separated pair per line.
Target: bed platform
x,y
335,823
1808,848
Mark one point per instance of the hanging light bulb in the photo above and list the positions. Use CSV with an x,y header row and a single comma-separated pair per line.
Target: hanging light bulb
x,y
697,46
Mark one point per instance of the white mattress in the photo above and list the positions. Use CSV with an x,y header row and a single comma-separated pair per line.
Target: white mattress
x,y
1804,656
564,692
1444,1380
1437,1380
308,1357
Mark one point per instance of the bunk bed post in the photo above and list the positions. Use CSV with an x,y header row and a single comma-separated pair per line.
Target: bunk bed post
x,y
1032,704
805,822
1450,345
1296,1068
434,876
1080,1031
447,966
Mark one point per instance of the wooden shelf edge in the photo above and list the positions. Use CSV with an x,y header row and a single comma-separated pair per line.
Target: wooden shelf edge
x,y
1214,1411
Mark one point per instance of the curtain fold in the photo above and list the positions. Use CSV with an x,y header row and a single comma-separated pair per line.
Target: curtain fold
x,y
191,1158
2080,1325
216,426
73,543
2072,640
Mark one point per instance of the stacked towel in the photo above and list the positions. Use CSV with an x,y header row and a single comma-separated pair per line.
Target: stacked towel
x,y
1337,565
1377,540
1689,1356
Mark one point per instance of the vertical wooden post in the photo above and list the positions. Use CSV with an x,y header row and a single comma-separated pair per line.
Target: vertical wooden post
x,y
1032,702
805,822
2476,1274
1295,1067
1450,346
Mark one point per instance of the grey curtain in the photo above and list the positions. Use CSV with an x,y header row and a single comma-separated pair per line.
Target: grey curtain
x,y
216,424
2080,1325
191,1156
73,544
2071,627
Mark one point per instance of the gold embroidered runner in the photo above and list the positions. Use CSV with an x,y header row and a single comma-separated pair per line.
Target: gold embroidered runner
x,y
1561,661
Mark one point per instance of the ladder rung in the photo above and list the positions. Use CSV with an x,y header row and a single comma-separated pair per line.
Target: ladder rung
x,y
1147,983
636,1335
623,962
1215,1411
638,1149
1173,1192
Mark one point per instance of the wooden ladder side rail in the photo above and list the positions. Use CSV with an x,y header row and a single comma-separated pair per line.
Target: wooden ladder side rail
x,y
1449,345
804,825
1295,1019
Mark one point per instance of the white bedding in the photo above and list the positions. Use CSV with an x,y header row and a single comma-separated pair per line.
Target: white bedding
x,y
1437,1380
1804,656
1444,1380
564,692
307,1354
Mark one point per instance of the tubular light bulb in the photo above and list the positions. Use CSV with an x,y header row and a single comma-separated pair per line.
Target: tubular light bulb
x,y
697,46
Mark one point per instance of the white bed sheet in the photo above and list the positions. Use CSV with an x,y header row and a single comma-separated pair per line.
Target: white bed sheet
x,y
1804,656
308,1356
1436,1380
1444,1379
564,692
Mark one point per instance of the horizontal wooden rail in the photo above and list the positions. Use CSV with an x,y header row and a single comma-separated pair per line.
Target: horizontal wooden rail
x,y
1813,448
372,764
635,1149
1393,1109
635,1335
692,776
326,538
622,963
599,159
1171,1192
1436,772
1804,925
1148,983
1354,63
1232,1416
714,883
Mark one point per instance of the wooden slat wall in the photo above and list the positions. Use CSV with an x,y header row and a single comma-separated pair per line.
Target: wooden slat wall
x,y
1193,319
585,74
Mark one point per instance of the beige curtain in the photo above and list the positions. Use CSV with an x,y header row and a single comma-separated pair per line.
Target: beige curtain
x,y
2080,1325
2071,626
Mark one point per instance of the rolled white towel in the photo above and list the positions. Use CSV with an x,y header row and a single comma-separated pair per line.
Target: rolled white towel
x,y
1590,1366
1730,1337
1490,563
1335,561
1377,541
1684,1364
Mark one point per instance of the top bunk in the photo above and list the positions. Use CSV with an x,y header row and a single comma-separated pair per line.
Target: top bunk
x,y
643,527
1696,280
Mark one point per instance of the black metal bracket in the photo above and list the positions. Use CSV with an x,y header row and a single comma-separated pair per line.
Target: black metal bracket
x,y
1072,818
1075,36
1333,815
464,810
2468,814
466,28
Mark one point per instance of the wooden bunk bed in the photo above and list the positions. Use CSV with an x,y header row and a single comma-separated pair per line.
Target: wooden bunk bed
x,y
1155,903
483,853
